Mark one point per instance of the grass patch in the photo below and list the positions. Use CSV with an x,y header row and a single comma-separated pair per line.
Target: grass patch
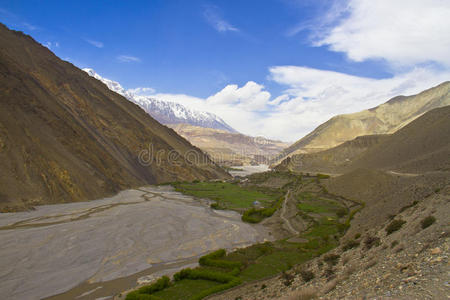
x,y
395,225
228,195
427,222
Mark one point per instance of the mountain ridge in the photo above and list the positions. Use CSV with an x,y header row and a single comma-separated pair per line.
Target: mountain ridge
x,y
66,137
382,119
166,112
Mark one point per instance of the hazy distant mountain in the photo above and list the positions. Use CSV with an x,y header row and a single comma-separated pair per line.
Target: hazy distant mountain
x,y
229,148
166,112
65,136
383,119
423,145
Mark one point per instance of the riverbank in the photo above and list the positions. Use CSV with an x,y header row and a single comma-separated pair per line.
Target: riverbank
x,y
83,246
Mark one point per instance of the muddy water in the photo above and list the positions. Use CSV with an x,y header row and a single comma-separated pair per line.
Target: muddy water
x,y
96,249
247,170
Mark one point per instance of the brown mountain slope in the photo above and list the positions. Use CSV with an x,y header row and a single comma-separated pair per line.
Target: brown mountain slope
x,y
230,148
422,145
383,119
65,136
331,160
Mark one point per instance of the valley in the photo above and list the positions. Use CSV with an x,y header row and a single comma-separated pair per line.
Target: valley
x,y
166,188
59,247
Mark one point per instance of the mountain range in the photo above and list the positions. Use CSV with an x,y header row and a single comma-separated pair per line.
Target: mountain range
x,y
64,136
166,112
386,118
205,130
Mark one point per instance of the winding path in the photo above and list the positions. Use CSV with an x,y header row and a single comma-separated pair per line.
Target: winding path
x,y
283,212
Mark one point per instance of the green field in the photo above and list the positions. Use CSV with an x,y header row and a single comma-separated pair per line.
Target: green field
x,y
220,271
229,195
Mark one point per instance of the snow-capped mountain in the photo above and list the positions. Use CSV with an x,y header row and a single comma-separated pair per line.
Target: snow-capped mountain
x,y
166,112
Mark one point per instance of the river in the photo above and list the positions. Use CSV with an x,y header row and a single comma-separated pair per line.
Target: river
x,y
95,249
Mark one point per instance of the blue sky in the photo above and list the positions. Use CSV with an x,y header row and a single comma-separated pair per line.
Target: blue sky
x,y
276,67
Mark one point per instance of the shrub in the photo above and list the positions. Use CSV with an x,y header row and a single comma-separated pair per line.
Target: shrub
x,y
350,244
144,293
322,176
212,260
136,296
159,285
427,222
331,259
328,273
371,241
394,243
215,206
357,236
341,212
307,275
415,202
394,226
287,278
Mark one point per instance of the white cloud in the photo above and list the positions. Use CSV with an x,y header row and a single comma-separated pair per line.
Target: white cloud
x,y
403,32
142,91
95,43
51,45
250,97
128,58
216,21
29,26
312,96
317,95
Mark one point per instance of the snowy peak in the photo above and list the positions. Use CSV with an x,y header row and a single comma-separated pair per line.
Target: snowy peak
x,y
166,112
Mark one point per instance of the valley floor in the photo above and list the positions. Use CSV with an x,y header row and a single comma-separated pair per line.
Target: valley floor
x,y
81,249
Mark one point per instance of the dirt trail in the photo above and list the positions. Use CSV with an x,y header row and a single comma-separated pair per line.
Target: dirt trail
x,y
283,213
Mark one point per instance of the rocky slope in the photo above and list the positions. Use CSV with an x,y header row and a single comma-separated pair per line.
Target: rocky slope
x,y
397,246
64,136
422,145
383,119
166,112
228,148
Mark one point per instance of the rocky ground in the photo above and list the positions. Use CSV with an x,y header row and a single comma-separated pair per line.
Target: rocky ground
x,y
411,263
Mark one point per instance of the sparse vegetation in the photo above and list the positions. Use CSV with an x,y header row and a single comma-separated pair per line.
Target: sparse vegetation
x,y
395,225
371,241
350,244
322,176
331,259
427,222
415,202
307,275
394,243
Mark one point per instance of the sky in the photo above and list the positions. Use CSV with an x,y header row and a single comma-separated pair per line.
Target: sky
x,y
271,68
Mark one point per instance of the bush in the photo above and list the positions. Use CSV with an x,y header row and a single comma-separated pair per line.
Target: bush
x,y
144,293
215,206
159,285
136,296
394,243
395,225
307,275
287,278
331,259
341,212
357,236
212,260
427,222
350,244
322,176
371,241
